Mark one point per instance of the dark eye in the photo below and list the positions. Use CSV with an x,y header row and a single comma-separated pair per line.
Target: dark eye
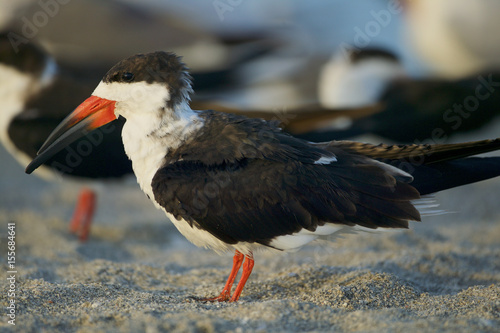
x,y
127,76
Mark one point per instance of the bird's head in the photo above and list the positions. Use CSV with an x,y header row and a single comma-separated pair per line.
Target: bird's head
x,y
142,88
145,83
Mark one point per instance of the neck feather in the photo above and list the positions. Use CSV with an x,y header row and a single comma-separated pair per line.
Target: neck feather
x,y
147,140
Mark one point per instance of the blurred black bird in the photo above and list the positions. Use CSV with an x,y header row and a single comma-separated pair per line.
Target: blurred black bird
x,y
36,95
423,110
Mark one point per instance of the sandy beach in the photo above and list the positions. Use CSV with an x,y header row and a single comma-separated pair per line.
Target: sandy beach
x,y
137,273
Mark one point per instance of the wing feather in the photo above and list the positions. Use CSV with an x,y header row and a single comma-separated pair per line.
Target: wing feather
x,y
242,186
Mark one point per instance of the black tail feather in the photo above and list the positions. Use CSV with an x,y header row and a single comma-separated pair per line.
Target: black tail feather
x,y
444,175
434,167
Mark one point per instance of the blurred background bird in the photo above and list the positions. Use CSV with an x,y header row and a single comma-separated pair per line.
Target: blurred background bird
x,y
404,71
430,108
35,94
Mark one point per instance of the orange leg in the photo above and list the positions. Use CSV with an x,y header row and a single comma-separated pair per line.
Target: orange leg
x,y
226,292
247,270
82,217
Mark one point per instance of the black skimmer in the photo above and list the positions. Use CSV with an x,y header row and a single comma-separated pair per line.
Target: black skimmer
x,y
435,108
229,182
35,96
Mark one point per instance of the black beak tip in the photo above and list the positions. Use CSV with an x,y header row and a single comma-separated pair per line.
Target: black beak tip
x,y
61,137
32,166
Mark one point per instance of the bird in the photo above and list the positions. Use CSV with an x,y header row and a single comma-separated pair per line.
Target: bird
x,y
436,108
36,94
233,183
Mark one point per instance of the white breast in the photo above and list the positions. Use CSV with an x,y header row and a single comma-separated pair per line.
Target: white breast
x,y
148,151
148,155
147,148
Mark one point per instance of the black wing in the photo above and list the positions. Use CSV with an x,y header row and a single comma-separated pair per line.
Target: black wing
x,y
243,180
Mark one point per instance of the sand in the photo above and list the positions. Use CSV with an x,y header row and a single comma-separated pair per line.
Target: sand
x,y
137,273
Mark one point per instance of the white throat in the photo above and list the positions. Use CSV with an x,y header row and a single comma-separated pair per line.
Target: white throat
x,y
151,128
147,151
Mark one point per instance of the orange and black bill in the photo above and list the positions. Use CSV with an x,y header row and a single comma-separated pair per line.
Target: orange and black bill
x,y
93,113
